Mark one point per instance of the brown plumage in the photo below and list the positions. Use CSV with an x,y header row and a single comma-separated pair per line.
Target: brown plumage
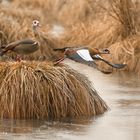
x,y
23,47
95,51
87,55
47,43
68,51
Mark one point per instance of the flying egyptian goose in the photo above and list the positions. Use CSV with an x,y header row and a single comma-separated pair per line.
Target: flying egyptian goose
x,y
21,47
87,55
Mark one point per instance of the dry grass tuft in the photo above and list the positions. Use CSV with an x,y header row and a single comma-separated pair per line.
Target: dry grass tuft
x,y
63,11
41,90
124,11
125,49
93,25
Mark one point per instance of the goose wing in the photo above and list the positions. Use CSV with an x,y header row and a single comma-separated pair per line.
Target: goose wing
x,y
82,56
76,57
8,47
26,41
18,44
117,66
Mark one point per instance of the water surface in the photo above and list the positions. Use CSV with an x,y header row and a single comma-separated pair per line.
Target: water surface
x,y
122,122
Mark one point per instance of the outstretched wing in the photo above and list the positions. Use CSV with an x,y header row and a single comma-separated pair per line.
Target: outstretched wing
x,y
117,66
78,58
84,53
82,56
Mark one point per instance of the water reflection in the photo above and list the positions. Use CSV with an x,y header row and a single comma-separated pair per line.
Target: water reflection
x,y
35,129
121,122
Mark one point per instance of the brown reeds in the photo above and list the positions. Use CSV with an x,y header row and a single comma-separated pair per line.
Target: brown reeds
x,y
30,89
124,11
92,25
126,48
65,10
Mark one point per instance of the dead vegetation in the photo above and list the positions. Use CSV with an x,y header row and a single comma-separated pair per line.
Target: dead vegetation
x,y
111,24
40,90
126,49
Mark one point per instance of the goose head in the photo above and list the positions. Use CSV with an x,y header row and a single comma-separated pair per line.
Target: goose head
x,y
102,51
35,24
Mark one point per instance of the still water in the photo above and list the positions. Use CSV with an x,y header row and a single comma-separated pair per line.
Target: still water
x,y
122,122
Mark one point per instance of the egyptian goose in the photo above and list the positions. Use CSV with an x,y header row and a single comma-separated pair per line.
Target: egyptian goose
x,y
87,55
47,42
21,47
35,25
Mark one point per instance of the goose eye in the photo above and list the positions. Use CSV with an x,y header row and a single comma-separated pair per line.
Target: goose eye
x,y
106,50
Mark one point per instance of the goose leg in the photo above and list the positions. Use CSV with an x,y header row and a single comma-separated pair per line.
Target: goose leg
x,y
18,58
59,61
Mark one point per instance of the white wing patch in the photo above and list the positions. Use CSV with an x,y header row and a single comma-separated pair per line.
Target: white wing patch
x,y
84,53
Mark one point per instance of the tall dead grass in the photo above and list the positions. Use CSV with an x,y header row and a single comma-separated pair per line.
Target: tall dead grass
x,y
43,91
126,49
93,34
15,23
65,10
124,11
86,23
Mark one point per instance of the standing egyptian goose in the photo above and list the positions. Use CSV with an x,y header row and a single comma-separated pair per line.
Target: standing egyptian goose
x,y
21,47
87,55
47,43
